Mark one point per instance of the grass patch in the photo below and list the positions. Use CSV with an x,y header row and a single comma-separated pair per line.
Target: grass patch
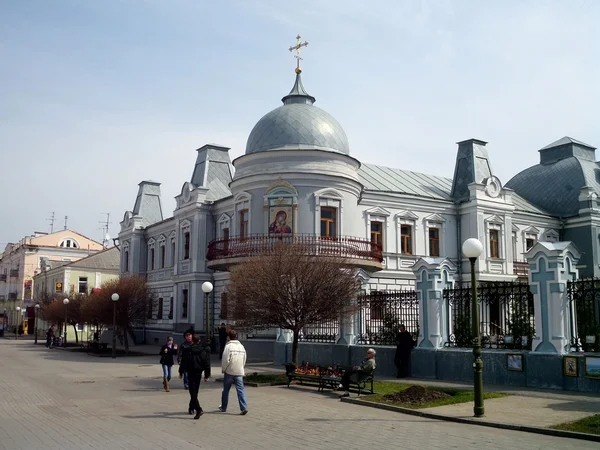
x,y
266,378
590,425
418,397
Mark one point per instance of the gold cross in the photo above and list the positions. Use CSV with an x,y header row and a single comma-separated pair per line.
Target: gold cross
x,y
297,47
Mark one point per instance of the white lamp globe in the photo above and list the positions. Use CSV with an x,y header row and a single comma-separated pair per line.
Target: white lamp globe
x,y
18,308
66,301
472,248
115,297
207,287
37,306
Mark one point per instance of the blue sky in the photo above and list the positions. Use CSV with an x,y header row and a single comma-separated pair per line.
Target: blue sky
x,y
99,95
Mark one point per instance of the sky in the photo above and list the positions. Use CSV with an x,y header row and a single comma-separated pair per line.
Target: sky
x,y
96,96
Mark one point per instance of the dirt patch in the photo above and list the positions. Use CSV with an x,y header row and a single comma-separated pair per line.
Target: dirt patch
x,y
416,395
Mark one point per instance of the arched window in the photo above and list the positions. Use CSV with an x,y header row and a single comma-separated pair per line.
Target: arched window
x,y
69,243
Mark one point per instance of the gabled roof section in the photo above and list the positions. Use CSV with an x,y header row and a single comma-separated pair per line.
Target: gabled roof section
x,y
566,141
108,259
396,181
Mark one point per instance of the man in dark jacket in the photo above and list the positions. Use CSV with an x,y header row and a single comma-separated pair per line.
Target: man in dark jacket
x,y
404,345
187,342
194,360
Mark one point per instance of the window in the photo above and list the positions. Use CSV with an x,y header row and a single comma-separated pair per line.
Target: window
x,y
514,246
328,222
126,262
434,242
152,259
377,232
494,244
163,256
172,252
184,304
406,240
83,285
224,301
160,309
69,243
243,223
186,245
171,308
150,308
529,242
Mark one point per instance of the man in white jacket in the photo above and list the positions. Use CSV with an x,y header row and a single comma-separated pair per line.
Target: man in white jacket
x,y
232,365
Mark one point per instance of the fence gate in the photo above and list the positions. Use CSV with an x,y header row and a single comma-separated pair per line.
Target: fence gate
x,y
584,306
381,313
506,315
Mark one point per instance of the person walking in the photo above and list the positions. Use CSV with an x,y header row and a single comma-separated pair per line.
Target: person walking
x,y
50,337
187,342
404,345
222,339
232,365
195,360
167,351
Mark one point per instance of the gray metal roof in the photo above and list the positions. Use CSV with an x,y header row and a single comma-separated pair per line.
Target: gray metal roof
x,y
565,141
108,259
298,124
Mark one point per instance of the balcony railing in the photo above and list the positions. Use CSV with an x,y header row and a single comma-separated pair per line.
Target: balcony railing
x,y
14,273
313,245
521,269
2,277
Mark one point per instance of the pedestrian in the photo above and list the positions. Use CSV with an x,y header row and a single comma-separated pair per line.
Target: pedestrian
x,y
195,360
50,337
187,341
167,351
232,365
222,339
404,345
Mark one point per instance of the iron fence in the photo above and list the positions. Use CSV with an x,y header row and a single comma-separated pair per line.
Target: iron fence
x,y
326,332
506,315
381,313
584,307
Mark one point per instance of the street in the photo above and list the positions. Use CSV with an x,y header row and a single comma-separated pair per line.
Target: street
x,y
56,399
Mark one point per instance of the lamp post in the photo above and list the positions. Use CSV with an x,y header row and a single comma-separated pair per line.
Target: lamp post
x,y
37,313
115,299
207,288
472,248
66,303
17,314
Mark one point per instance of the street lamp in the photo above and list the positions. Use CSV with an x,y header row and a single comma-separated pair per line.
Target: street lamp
x,y
115,299
472,248
207,288
18,313
66,303
37,313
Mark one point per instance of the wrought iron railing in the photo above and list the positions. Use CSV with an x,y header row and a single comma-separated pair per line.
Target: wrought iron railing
x,y
325,331
584,306
506,315
521,269
381,313
313,245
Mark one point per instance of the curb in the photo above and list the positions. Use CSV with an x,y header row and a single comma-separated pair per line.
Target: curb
x,y
505,426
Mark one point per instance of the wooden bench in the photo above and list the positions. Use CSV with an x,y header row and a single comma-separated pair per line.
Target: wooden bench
x,y
328,377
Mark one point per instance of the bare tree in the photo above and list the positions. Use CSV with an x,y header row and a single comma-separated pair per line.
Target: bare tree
x,y
54,311
288,288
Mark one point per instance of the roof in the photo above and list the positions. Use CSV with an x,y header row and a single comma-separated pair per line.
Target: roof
x,y
565,141
108,259
385,179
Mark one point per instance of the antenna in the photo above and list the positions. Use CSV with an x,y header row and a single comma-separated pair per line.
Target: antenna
x,y
105,227
66,219
51,220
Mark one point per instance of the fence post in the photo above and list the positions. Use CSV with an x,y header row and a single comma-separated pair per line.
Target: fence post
x,y
551,265
433,276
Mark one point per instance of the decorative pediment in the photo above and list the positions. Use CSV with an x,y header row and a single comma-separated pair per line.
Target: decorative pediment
x,y
551,235
126,245
377,211
531,230
162,239
223,218
435,218
151,242
173,234
241,197
406,215
514,227
329,192
281,186
495,219
185,224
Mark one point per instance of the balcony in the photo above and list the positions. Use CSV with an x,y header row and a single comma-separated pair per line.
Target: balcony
x,y
223,253
2,277
521,269
14,273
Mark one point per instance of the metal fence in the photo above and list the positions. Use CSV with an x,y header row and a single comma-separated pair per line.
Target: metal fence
x,y
381,313
325,331
506,315
584,306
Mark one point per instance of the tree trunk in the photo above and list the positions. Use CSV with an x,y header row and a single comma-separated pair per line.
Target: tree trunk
x,y
76,335
295,347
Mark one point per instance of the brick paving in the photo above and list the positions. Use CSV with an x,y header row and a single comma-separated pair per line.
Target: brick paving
x,y
55,399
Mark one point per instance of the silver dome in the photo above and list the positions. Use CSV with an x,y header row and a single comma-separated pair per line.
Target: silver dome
x,y
298,124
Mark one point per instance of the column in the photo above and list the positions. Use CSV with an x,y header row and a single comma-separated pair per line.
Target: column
x,y
433,276
551,265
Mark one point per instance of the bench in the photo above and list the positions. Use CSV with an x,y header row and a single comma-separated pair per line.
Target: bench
x,y
96,346
328,377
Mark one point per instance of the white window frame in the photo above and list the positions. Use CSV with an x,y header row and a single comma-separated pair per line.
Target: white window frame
x,y
162,246
69,240
407,218
495,223
185,227
223,223
435,221
551,236
530,233
151,246
126,257
330,198
381,215
171,254
241,201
